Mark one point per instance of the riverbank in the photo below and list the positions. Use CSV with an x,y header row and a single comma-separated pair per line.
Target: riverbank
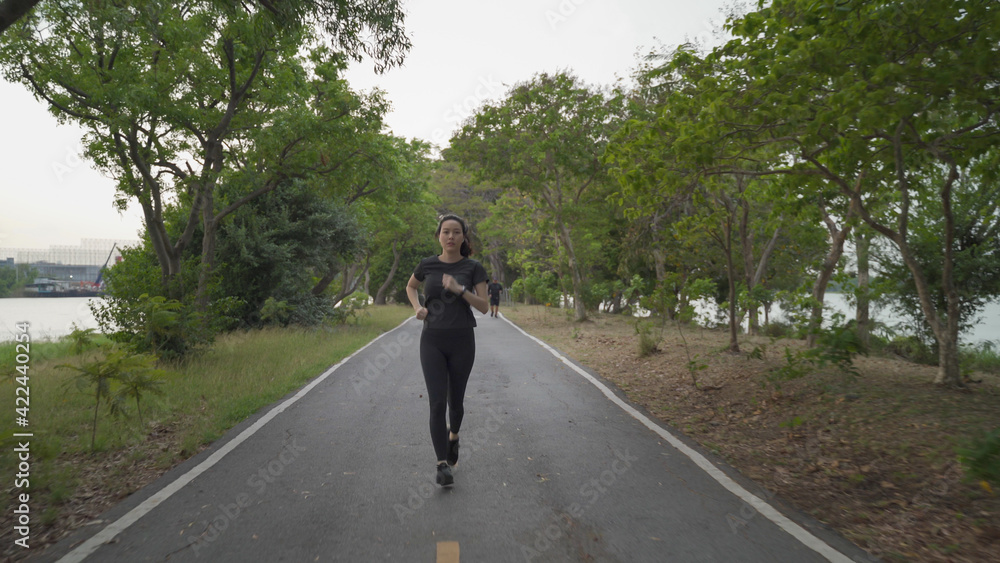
x,y
873,456
70,485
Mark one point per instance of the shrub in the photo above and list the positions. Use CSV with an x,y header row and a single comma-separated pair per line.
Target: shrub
x,y
984,357
982,457
910,348
777,329
835,346
117,377
275,312
648,343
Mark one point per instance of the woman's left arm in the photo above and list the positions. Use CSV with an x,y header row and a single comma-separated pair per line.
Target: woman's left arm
x,y
479,299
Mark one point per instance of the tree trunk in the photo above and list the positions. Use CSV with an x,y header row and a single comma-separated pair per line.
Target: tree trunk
x,y
946,329
746,243
660,265
351,281
325,281
734,343
207,250
863,310
380,294
949,372
837,238
580,311
168,260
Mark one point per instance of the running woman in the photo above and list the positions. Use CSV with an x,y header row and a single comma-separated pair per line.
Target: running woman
x,y
495,288
453,284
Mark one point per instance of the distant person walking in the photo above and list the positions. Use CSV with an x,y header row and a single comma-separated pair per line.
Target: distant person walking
x,y
453,284
495,289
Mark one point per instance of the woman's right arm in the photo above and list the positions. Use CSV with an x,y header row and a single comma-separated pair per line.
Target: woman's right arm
x,y
411,294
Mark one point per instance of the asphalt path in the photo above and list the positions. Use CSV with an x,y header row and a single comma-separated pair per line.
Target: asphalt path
x,y
555,466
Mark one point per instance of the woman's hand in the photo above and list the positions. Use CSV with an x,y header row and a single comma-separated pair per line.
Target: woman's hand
x,y
421,313
451,284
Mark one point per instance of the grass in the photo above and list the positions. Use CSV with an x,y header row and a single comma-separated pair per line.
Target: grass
x,y
203,397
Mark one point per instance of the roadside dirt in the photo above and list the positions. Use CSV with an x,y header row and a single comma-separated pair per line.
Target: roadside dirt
x,y
873,455
106,480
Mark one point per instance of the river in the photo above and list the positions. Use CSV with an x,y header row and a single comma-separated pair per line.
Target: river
x,y
49,317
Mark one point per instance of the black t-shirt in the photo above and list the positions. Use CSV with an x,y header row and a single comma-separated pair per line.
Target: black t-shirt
x,y
444,308
494,289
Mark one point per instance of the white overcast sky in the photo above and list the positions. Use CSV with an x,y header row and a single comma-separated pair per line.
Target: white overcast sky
x,y
463,53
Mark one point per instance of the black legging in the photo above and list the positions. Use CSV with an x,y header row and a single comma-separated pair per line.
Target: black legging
x,y
446,356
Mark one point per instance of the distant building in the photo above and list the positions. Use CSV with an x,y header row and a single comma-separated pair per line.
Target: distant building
x,y
66,267
67,272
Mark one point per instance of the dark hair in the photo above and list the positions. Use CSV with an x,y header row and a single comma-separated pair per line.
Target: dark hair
x,y
466,248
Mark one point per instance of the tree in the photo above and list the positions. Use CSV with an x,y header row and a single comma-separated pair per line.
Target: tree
x,y
171,94
888,101
975,258
277,244
14,279
355,27
545,140
403,226
893,102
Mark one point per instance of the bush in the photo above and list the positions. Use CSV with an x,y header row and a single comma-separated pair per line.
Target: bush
x,y
835,346
117,378
984,357
982,458
779,329
648,343
540,288
350,308
910,348
275,312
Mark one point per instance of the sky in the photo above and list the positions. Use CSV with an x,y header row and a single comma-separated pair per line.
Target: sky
x,y
464,53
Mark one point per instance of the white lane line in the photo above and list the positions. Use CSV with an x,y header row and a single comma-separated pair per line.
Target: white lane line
x,y
769,512
107,534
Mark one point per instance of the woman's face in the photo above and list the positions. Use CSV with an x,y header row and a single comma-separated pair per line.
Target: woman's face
x,y
451,235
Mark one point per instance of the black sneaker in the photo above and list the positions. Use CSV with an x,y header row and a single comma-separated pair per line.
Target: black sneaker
x,y
452,453
444,476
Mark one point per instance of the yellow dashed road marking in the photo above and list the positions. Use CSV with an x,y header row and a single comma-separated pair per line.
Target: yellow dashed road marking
x,y
447,552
